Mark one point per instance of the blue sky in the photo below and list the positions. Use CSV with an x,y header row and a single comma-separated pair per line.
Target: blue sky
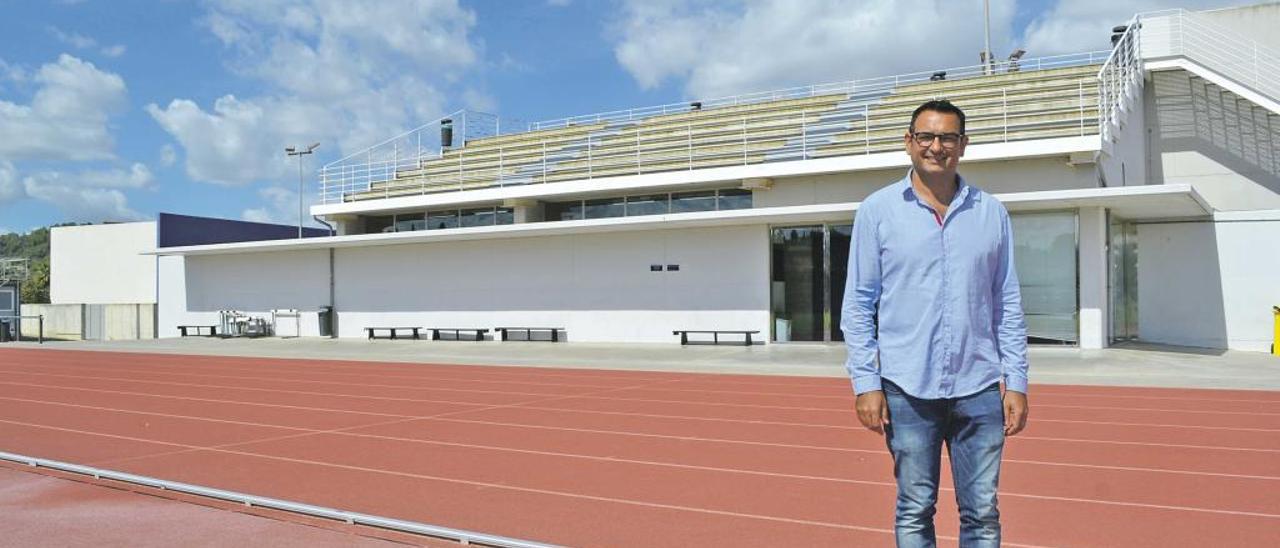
x,y
115,111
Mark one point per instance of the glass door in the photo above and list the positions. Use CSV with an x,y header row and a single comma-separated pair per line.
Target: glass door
x,y
797,287
807,289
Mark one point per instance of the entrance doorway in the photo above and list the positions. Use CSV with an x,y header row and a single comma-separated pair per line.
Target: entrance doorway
x,y
808,276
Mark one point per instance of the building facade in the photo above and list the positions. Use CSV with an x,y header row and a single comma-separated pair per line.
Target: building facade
x,y
1144,182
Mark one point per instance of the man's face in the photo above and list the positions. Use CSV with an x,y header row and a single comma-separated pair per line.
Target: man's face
x,y
937,145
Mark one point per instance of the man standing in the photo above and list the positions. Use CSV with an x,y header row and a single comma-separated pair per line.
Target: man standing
x,y
932,293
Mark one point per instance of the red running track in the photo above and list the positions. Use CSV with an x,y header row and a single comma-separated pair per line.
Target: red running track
x,y
597,457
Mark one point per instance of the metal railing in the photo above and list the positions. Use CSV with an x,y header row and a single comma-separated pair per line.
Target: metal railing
x,y
15,323
1120,80
850,86
355,518
381,161
1182,33
799,123
1179,33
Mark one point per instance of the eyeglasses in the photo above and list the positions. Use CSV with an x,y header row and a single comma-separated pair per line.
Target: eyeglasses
x,y
949,140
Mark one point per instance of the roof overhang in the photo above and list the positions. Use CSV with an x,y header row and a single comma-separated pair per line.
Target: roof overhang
x,y
1130,203
670,180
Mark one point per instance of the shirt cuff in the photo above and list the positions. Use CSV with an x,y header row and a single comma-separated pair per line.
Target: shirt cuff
x,y
1016,383
867,383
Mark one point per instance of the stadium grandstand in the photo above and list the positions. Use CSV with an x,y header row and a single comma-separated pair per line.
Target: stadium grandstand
x,y
734,214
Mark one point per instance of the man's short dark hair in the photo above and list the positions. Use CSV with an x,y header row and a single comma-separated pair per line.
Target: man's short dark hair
x,y
937,105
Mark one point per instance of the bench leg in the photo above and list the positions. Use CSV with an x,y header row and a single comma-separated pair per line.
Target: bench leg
x,y
748,343
715,338
684,338
555,335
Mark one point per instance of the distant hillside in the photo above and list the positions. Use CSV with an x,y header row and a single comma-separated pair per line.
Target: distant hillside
x,y
34,247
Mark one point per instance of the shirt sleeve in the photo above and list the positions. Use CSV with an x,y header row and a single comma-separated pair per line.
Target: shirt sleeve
x,y
861,299
1010,325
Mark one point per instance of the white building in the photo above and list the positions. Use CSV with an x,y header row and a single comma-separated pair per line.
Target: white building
x,y
1144,182
102,264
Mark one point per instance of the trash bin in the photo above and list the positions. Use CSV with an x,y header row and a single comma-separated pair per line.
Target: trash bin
x,y
781,330
326,321
5,336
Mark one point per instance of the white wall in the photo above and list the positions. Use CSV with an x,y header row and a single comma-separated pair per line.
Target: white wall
x,y
994,177
194,289
598,287
102,264
1210,284
1256,22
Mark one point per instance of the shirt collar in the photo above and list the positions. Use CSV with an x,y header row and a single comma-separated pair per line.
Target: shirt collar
x,y
909,191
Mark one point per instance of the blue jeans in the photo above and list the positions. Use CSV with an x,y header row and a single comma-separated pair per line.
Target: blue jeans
x,y
973,429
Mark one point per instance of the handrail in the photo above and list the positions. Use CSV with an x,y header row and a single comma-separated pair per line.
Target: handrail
x,y
848,86
1183,33
706,137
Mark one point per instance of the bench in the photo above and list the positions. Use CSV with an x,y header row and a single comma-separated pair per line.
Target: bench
x,y
715,335
392,331
528,332
184,330
457,332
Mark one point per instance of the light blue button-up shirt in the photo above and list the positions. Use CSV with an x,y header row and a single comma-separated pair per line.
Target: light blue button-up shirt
x,y
950,312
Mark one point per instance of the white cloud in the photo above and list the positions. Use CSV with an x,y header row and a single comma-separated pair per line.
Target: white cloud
x,y
10,187
329,78
68,116
1085,25
137,176
73,39
720,48
80,41
113,51
280,207
88,195
168,155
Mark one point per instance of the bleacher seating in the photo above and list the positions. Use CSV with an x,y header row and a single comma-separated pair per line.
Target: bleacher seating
x,y
1009,106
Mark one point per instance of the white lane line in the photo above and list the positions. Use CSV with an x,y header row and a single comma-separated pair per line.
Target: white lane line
x,y
636,502
348,431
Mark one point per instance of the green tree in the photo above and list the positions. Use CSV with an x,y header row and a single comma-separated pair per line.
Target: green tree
x,y
35,289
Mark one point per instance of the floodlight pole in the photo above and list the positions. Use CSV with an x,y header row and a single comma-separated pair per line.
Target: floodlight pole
x,y
986,26
291,151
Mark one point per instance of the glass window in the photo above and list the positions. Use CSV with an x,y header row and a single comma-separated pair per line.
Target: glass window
x,y
382,223
734,198
1044,252
606,207
564,211
504,216
477,217
682,202
647,205
442,219
411,221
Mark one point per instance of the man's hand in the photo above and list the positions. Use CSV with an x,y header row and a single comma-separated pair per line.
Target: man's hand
x,y
1015,412
873,410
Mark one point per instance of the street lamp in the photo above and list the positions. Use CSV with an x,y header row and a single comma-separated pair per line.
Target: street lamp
x,y
291,151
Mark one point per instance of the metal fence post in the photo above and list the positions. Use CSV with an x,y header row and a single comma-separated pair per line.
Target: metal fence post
x,y
1081,107
638,170
866,129
689,130
1004,105
804,134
